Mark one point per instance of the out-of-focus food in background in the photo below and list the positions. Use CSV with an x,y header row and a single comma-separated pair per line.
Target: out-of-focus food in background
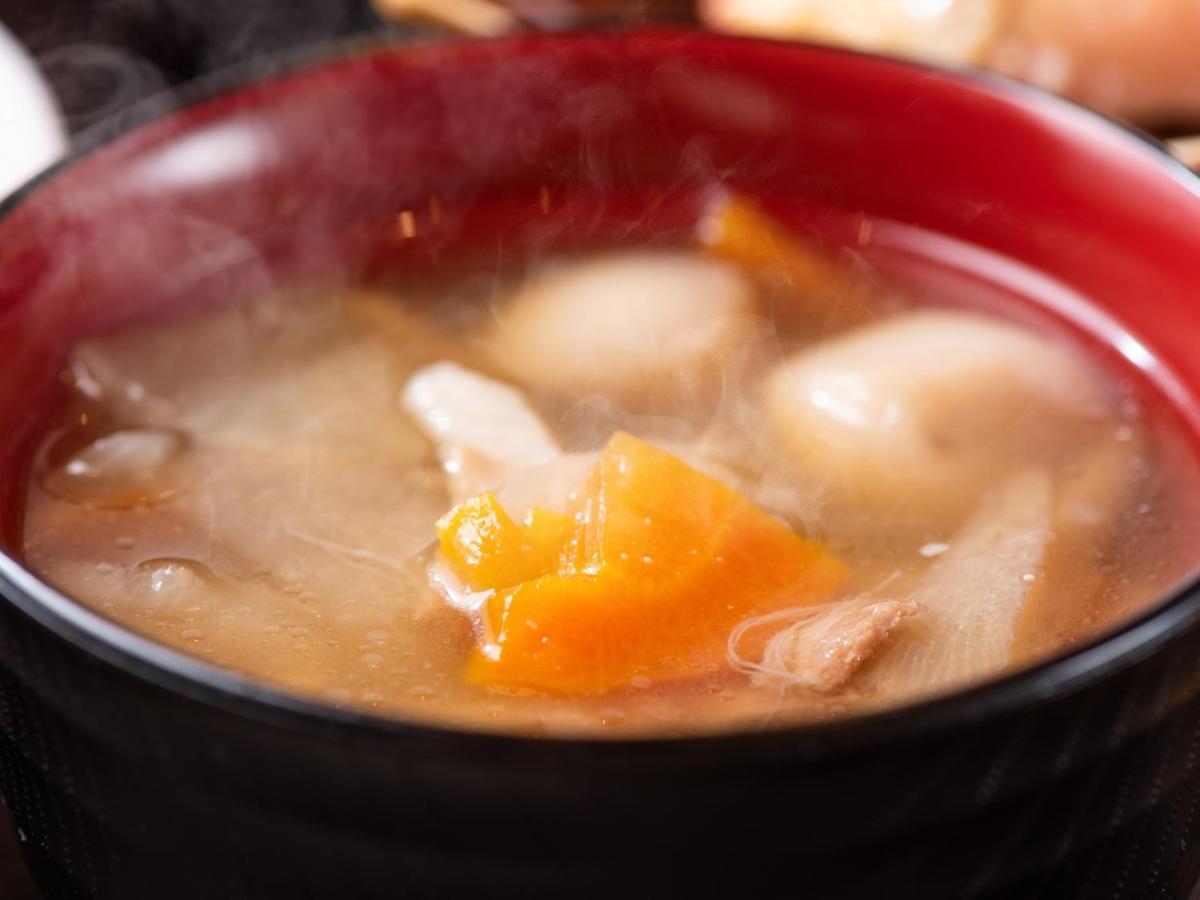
x,y
477,17
1188,150
488,18
944,30
1138,59
26,109
1135,59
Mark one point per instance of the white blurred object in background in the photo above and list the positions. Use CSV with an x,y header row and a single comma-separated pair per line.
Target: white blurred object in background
x,y
31,130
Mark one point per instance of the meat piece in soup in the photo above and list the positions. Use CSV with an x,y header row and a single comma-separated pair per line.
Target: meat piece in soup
x,y
649,491
482,429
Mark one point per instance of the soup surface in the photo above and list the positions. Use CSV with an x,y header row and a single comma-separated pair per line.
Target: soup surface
x,y
648,490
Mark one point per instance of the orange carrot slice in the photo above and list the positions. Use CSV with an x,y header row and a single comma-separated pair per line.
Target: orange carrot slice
x,y
735,228
655,567
486,549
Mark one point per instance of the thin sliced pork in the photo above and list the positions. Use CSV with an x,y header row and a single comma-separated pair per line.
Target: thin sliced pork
x,y
824,645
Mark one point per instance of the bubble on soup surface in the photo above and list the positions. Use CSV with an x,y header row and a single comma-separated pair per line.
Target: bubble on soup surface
x,y
121,470
170,577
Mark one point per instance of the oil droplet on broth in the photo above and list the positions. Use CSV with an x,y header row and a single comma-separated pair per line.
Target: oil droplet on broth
x,y
120,470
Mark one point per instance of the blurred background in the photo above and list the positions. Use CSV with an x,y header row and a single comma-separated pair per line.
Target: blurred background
x,y
74,68
1135,59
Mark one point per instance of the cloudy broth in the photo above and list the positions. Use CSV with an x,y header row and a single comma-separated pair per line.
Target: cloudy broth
x,y
257,486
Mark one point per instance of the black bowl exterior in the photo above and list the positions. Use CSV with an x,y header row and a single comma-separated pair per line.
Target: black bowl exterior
x,y
134,776
126,790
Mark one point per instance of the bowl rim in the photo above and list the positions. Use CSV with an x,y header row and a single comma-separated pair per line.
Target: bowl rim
x,y
1053,678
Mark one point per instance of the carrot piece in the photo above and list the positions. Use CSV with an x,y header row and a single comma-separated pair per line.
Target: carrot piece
x,y
661,564
488,550
735,228
546,533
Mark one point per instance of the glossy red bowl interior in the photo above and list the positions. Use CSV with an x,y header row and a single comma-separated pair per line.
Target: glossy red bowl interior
x,y
139,773
398,159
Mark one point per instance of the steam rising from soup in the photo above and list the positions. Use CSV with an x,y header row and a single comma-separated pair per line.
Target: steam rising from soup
x,y
648,490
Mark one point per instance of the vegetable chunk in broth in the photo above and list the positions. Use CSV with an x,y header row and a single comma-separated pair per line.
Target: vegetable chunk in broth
x,y
647,491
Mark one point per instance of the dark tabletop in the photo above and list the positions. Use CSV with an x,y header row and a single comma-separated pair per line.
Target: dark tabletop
x,y
14,880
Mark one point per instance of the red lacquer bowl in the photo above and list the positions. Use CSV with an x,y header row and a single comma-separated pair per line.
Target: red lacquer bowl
x,y
136,772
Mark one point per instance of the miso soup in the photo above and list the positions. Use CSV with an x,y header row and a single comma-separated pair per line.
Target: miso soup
x,y
642,490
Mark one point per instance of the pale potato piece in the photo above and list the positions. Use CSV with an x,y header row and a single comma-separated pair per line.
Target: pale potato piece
x,y
625,324
904,424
